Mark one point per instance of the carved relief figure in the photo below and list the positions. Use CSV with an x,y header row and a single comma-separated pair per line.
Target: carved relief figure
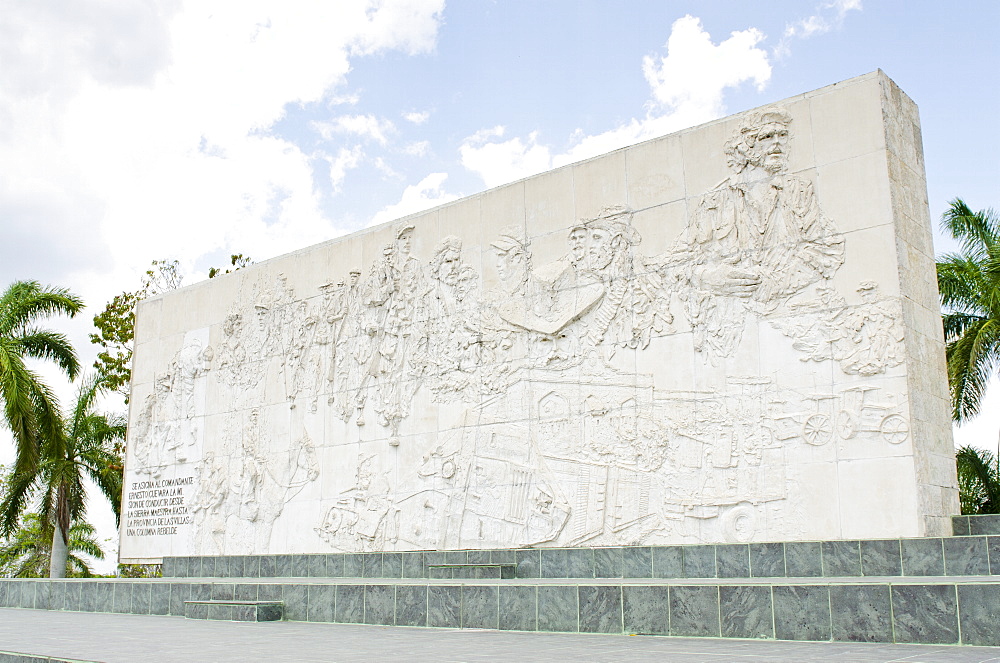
x,y
755,239
865,339
393,291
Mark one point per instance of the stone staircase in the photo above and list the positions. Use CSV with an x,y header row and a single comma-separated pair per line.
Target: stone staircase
x,y
927,590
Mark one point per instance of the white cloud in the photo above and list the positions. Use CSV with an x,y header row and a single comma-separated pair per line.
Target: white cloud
x,y
499,163
140,130
417,117
687,87
418,148
367,126
346,159
828,16
427,193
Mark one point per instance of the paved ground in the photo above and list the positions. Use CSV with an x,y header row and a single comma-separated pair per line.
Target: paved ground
x,y
129,638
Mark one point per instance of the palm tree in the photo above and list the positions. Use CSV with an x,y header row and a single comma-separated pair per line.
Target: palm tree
x,y
978,480
28,553
87,444
969,282
30,408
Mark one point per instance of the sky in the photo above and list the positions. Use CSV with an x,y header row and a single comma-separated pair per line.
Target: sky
x,y
141,130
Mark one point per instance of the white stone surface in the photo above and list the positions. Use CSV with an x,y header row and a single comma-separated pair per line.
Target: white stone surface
x,y
726,334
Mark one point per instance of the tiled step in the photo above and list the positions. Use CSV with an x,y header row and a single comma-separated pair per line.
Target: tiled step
x,y
235,611
956,556
472,571
933,610
976,524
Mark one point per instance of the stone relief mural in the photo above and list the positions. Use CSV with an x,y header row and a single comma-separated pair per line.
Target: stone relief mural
x,y
549,425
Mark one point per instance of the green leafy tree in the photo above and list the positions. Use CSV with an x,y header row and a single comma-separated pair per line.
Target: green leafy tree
x,y
27,553
31,409
969,281
978,480
116,324
87,445
236,261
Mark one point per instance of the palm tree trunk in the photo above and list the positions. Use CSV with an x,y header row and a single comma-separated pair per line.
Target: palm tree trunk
x,y
59,554
60,535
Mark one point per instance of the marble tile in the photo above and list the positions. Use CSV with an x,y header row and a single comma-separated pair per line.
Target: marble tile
x,y
557,608
3,593
245,613
861,613
251,566
140,598
122,602
699,561
518,608
269,591
579,563
600,609
925,614
646,609
966,556
159,598
335,565
456,557
411,605
801,612
299,566
392,565
412,565
444,606
503,556
380,604
283,566
841,558
198,611
637,562
993,543
296,599
179,593
984,524
223,591
803,559
57,594
608,562
694,611
881,558
979,614
668,562
733,560
478,556
354,566
74,592
269,613
267,567
171,567
745,612
220,612
767,560
554,563
371,565
199,591
528,564
922,557
322,603
350,605
960,525
317,566
245,591
481,606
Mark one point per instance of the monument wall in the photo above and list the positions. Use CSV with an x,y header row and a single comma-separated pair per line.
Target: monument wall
x,y
730,333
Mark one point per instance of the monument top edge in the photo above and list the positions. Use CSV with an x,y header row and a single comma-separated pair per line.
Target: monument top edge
x,y
877,73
